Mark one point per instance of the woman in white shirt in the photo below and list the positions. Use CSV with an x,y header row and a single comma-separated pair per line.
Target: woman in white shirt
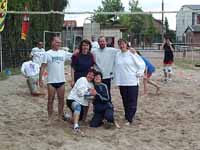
x,y
129,68
78,99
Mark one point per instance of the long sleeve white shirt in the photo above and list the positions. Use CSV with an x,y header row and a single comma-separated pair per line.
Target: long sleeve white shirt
x,y
128,68
104,59
30,69
80,88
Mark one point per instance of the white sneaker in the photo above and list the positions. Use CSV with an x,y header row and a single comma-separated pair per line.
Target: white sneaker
x,y
127,123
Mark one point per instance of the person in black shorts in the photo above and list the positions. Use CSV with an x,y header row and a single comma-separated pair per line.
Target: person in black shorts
x,y
168,57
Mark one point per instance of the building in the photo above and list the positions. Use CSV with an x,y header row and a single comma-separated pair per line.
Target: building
x,y
72,35
188,15
158,25
192,35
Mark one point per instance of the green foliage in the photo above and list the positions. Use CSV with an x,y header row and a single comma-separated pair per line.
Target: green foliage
x,y
108,6
170,33
186,63
13,71
140,27
11,35
150,31
3,76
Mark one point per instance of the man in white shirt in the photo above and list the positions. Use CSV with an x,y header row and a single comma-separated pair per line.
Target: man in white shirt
x,y
105,58
31,71
54,61
94,42
37,53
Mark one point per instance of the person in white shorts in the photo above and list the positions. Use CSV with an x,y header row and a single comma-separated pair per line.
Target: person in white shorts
x,y
54,60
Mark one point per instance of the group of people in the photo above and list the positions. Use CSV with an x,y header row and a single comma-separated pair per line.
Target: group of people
x,y
92,70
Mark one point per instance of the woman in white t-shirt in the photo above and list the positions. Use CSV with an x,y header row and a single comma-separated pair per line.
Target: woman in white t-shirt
x,y
128,68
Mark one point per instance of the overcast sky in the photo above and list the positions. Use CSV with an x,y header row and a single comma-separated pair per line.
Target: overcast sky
x,y
146,5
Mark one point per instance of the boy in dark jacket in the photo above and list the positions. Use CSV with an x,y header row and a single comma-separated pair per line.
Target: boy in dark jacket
x,y
103,108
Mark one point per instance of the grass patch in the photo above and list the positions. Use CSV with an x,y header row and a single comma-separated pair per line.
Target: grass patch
x,y
13,71
3,76
186,63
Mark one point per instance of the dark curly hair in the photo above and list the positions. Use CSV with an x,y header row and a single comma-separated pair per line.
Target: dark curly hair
x,y
86,42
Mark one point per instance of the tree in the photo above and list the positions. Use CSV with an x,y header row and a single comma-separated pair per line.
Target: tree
x,y
168,31
150,31
134,23
12,42
108,6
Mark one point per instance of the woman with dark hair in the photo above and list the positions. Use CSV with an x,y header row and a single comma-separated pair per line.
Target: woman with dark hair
x,y
82,61
129,67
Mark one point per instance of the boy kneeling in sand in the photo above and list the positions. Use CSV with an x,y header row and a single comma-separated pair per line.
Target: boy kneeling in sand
x,y
31,71
103,108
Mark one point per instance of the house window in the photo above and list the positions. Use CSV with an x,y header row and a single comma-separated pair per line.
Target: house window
x,y
198,19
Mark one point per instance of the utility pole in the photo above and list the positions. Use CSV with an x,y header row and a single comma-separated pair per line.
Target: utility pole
x,y
162,19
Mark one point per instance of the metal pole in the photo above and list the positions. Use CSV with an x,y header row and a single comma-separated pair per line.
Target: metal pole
x,y
44,42
1,53
162,19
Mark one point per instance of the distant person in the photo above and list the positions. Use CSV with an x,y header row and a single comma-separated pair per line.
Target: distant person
x,y
78,101
94,42
31,71
55,62
102,106
37,53
105,59
129,68
168,58
149,70
82,61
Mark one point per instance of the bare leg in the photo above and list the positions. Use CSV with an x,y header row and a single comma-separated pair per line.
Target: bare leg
x,y
117,125
51,96
145,80
165,72
155,85
60,94
170,72
76,118
85,112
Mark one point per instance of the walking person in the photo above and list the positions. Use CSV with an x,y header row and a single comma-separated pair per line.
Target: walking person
x,y
54,61
168,58
149,70
129,68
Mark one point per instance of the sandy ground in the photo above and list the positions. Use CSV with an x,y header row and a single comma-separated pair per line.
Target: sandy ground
x,y
170,121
